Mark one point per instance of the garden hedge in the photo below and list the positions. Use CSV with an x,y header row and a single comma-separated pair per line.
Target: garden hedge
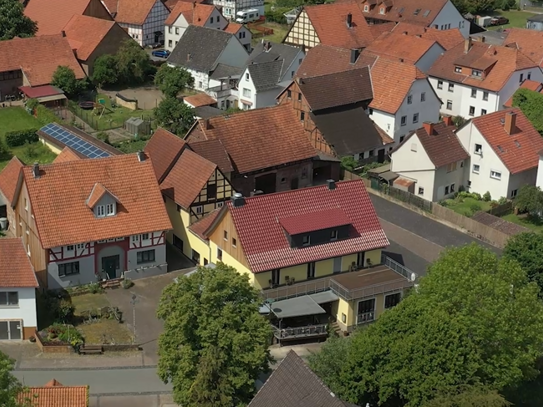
x,y
21,137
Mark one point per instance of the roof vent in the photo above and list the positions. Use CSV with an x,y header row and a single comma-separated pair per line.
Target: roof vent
x,y
238,200
354,55
483,39
36,170
189,57
141,156
349,20
404,33
331,184
401,59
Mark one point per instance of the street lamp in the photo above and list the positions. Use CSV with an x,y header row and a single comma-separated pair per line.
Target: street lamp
x,y
133,302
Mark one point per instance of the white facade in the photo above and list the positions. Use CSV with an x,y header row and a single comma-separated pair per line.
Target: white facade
x,y
411,161
449,18
24,311
152,30
539,180
420,105
486,171
174,32
467,101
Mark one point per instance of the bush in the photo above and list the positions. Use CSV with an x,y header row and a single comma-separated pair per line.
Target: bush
x,y
278,15
21,137
475,207
95,288
65,310
127,283
103,136
45,116
32,103
487,197
63,333
502,200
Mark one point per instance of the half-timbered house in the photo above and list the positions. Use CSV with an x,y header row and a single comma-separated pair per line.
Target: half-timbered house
x,y
86,220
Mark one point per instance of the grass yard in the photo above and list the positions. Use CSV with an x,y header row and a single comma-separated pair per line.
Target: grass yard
x,y
525,220
279,33
467,206
16,118
87,302
516,18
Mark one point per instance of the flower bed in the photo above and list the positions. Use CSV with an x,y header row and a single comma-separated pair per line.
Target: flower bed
x,y
59,338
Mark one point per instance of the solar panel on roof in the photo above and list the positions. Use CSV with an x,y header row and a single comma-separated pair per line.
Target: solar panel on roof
x,y
73,141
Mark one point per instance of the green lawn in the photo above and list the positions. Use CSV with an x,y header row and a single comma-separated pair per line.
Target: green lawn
x,y
526,221
466,207
516,18
16,118
279,33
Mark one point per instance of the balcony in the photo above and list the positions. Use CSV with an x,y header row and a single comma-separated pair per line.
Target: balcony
x,y
311,331
222,91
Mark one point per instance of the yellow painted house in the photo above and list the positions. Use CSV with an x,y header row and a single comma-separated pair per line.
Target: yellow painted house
x,y
315,253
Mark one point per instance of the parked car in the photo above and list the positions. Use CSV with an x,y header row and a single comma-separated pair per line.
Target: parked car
x,y
161,53
499,21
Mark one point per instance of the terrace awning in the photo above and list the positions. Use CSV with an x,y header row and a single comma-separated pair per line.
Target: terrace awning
x,y
296,307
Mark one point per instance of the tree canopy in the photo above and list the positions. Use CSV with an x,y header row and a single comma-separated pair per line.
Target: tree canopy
x,y
531,104
172,80
474,320
174,115
133,63
9,385
64,78
215,343
105,70
527,250
13,22
530,199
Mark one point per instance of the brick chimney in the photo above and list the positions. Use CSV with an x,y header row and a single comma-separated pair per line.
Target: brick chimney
x,y
510,122
467,44
448,120
429,127
349,20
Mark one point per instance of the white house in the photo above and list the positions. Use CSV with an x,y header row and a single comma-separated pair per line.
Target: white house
x,y
18,285
504,148
144,20
431,161
213,57
475,78
402,98
270,69
439,14
539,180
186,13
231,7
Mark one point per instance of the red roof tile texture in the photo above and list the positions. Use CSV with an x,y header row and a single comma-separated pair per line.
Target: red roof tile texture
x,y
199,228
520,150
529,42
15,267
402,46
67,154
263,239
259,138
86,33
187,178
200,99
194,13
164,148
58,198
57,395
421,12
214,151
52,15
98,192
313,221
8,178
133,11
38,57
330,23
233,28
446,38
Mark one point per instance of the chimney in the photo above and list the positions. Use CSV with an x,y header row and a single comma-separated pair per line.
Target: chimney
x,y
238,200
354,55
467,44
349,20
206,124
141,156
331,184
510,122
63,33
483,39
448,120
36,170
401,59
429,127
419,36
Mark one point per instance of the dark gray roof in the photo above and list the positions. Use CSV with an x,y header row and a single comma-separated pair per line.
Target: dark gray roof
x,y
348,129
537,17
491,37
223,71
199,48
205,112
293,384
266,75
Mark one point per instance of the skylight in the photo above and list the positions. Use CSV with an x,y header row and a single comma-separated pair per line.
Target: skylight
x,y
500,148
417,11
426,13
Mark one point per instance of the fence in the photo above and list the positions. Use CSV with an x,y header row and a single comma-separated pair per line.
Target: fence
x,y
502,209
94,120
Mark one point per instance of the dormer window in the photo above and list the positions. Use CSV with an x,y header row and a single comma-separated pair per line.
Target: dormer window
x,y
382,10
102,202
366,8
102,211
476,73
306,240
333,234
457,69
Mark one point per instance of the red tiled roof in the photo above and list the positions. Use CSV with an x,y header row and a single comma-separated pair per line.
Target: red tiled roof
x,y
378,29
98,191
404,10
529,42
57,395
200,227
446,38
519,151
40,91
67,154
86,33
8,178
15,267
58,199
200,99
526,84
259,138
38,57
187,178
329,22
164,148
263,239
312,221
233,28
133,11
409,48
214,151
194,13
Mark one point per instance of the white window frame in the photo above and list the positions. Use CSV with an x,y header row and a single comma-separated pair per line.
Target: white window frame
x,y
100,211
478,151
110,209
476,170
497,175
440,84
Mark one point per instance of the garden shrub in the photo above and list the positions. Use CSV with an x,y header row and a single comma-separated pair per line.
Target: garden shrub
x,y
32,103
65,310
95,288
63,333
46,116
20,137
475,207
487,197
127,283
103,136
502,200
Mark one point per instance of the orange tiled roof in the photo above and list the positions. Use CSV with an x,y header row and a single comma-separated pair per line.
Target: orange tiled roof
x,y
86,33
15,267
57,395
329,22
38,57
8,178
526,84
200,227
378,29
194,13
200,99
259,138
58,198
67,154
446,38
499,62
233,28
133,11
111,6
187,178
421,12
402,46
392,81
214,151
518,151
530,42
164,148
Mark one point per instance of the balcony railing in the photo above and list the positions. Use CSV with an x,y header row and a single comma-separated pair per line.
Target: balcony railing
x,y
300,332
297,289
365,317
398,268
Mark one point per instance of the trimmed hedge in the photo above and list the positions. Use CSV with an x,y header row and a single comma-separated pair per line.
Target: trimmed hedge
x,y
21,137
45,116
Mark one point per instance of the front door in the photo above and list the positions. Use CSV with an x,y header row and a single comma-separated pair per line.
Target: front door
x,y
10,330
110,265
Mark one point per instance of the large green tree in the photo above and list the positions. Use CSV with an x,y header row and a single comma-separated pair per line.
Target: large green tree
x,y
531,104
133,63
105,70
13,22
474,320
9,385
215,343
65,79
172,80
527,250
174,115
530,199
469,396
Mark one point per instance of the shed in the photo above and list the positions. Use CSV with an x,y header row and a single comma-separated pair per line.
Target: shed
x,y
137,126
